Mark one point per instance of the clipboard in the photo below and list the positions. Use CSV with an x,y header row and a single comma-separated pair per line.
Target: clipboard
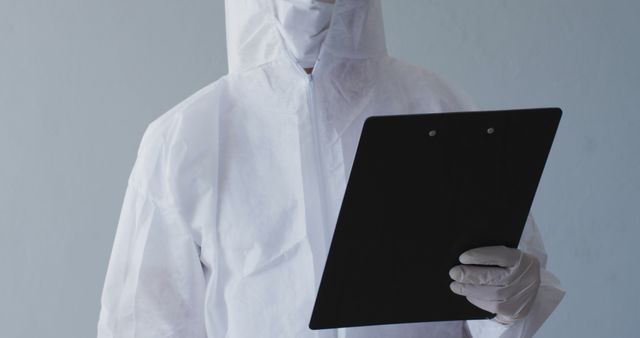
x,y
422,190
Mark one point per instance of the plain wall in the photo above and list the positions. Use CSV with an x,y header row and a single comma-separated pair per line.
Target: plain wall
x,y
81,79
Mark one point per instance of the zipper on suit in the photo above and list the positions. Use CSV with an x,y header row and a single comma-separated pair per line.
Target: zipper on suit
x,y
318,170
318,167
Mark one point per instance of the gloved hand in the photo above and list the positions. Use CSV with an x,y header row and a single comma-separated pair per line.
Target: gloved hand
x,y
507,288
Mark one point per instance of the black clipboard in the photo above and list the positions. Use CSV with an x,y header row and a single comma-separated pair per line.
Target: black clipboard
x,y
422,190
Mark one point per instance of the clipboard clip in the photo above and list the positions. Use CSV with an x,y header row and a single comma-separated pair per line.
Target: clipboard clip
x,y
433,132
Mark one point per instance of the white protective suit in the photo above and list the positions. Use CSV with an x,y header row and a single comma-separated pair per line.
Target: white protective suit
x,y
230,206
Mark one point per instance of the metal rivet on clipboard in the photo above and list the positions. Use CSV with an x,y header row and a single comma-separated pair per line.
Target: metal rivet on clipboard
x,y
432,133
490,130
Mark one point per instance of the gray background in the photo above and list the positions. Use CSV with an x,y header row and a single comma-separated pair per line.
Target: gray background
x,y
80,80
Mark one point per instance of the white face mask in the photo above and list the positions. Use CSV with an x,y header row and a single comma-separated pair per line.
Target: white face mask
x,y
304,25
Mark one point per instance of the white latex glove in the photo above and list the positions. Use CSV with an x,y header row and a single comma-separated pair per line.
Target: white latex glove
x,y
507,287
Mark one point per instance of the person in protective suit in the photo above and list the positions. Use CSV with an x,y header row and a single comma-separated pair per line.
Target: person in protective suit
x,y
229,208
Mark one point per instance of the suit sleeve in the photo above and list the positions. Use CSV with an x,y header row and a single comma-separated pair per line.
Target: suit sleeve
x,y
155,283
550,293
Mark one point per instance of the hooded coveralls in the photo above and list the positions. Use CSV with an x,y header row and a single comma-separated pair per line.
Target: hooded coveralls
x,y
230,206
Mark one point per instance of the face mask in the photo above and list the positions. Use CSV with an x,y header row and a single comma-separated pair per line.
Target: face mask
x,y
304,25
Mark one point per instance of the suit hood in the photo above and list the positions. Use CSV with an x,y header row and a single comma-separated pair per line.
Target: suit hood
x,y
260,31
